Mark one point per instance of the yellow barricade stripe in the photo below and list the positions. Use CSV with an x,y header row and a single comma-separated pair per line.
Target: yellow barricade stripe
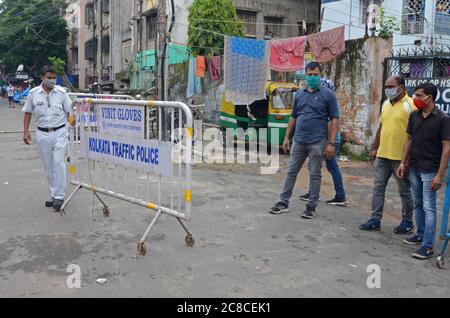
x,y
151,206
189,132
188,196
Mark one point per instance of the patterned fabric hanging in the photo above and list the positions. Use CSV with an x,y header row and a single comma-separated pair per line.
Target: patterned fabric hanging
x,y
246,66
287,55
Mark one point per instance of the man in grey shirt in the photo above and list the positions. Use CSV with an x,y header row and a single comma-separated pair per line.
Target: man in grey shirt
x,y
314,107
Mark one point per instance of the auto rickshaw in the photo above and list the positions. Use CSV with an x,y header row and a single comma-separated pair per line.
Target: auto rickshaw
x,y
272,112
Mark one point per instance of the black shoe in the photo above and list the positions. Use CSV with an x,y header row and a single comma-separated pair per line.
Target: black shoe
x,y
309,213
337,202
304,197
57,204
371,225
49,204
405,227
423,253
414,240
279,208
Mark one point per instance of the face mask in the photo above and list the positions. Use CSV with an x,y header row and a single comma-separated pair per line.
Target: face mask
x,y
49,83
313,81
392,93
419,103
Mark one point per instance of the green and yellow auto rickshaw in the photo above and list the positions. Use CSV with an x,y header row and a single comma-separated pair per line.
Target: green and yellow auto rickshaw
x,y
272,112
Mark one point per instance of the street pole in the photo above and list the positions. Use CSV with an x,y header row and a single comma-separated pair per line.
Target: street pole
x,y
99,43
162,27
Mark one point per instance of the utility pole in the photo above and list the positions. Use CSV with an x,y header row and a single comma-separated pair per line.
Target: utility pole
x,y
162,60
162,39
99,35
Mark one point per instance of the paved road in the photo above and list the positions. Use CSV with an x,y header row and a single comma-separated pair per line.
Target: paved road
x,y
240,250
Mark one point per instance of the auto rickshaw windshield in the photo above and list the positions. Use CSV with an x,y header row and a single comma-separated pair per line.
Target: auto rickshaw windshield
x,y
283,98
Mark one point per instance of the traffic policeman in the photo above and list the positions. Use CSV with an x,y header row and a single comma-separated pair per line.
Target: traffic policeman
x,y
51,107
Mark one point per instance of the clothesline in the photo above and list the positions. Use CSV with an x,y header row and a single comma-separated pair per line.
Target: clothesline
x,y
290,24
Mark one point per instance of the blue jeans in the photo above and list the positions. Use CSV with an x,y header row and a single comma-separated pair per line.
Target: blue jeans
x,y
425,210
299,154
333,169
383,170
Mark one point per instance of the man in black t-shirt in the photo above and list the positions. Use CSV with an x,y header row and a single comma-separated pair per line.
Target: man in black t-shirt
x,y
426,154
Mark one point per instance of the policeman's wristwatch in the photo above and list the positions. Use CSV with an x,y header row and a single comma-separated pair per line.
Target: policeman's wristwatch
x,y
332,144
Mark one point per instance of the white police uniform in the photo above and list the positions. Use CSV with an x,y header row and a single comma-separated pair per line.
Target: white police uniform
x,y
51,115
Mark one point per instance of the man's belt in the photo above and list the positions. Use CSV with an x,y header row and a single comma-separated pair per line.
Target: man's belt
x,y
51,129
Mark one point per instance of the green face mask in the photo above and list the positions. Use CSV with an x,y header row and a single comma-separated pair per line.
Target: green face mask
x,y
313,81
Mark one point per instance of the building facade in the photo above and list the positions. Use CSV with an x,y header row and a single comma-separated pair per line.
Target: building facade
x,y
113,42
421,23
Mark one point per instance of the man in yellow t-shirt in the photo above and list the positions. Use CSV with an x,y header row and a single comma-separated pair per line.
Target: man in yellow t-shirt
x,y
387,151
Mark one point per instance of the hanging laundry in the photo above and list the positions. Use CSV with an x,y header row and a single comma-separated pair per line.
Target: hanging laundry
x,y
287,55
327,46
201,66
214,65
246,65
194,85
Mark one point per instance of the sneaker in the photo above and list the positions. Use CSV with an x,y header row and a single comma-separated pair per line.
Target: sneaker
x,y
304,197
337,202
405,227
279,208
423,253
57,204
309,213
414,240
371,225
49,203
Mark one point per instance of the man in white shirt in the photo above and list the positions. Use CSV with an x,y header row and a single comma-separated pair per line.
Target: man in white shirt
x,y
51,107
10,93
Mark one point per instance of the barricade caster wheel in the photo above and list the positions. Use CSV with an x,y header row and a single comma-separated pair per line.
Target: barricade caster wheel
x,y
106,211
189,240
141,248
440,262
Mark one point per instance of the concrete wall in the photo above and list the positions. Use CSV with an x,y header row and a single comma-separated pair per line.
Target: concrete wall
x,y
358,76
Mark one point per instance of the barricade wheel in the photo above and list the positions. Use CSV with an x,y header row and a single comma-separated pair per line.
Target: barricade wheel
x,y
106,211
142,249
440,262
189,240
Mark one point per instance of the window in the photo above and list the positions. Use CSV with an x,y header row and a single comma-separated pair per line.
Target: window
x,y
75,55
249,19
90,49
310,28
152,26
89,14
413,20
272,27
105,6
364,5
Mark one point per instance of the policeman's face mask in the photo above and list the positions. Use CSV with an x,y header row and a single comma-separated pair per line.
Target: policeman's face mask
x,y
49,81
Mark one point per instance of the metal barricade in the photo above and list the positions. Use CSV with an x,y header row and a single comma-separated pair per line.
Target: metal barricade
x,y
444,233
112,152
100,96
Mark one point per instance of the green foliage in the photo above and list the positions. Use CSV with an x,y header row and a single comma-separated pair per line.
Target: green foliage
x,y
58,63
210,15
388,25
346,151
31,31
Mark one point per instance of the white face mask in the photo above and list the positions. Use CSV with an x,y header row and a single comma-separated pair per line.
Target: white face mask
x,y
392,93
49,83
